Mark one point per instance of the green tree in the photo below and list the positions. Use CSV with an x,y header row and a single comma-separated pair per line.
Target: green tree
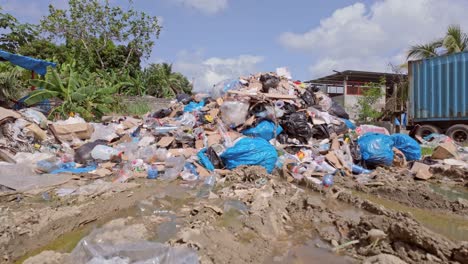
x,y
15,34
161,81
90,27
367,102
455,40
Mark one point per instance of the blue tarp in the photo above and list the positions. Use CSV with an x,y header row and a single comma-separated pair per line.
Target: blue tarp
x,y
36,65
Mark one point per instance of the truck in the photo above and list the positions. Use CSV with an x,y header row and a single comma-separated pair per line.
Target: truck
x,y
438,96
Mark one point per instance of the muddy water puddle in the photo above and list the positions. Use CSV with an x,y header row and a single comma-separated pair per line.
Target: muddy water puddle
x,y
451,226
452,193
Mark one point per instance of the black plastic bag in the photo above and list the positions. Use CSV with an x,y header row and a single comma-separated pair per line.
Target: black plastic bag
x,y
184,98
162,113
337,110
269,81
320,132
214,158
297,126
308,98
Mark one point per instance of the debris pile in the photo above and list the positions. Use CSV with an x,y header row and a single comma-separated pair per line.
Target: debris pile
x,y
264,119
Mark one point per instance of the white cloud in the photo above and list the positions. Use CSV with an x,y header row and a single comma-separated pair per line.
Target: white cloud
x,y
361,37
208,71
205,6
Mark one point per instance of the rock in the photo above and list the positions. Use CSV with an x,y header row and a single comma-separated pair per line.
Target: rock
x,y
421,171
461,254
383,259
375,234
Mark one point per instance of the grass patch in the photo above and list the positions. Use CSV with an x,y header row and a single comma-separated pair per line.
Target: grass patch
x,y
137,109
426,151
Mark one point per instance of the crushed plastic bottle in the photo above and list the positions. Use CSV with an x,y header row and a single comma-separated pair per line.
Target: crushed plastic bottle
x,y
174,166
49,165
207,186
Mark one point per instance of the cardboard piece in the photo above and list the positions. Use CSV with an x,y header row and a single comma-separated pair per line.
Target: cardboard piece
x,y
39,134
165,142
68,132
219,101
421,171
335,144
6,157
186,152
334,160
445,151
7,114
199,144
214,139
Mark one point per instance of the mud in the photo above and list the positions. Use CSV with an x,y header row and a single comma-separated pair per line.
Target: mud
x,y
253,217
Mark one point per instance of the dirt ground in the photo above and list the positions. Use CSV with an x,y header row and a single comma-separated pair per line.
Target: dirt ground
x,y
253,217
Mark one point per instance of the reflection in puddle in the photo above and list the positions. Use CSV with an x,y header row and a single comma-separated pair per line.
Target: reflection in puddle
x,y
313,251
452,226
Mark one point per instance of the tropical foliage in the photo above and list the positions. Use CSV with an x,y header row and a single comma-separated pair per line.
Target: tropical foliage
x,y
367,102
455,40
98,48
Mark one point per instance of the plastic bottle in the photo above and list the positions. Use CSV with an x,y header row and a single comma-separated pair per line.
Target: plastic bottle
x,y
223,132
174,166
102,152
190,172
207,186
360,170
164,129
124,175
327,180
153,172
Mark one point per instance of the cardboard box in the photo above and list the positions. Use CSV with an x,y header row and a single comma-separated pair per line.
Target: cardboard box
x,y
68,132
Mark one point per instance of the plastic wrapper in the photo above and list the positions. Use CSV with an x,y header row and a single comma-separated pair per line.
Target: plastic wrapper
x,y
363,129
296,126
101,152
35,117
234,113
250,151
94,249
222,87
193,106
104,132
408,146
308,98
174,166
376,149
265,129
188,120
323,100
349,124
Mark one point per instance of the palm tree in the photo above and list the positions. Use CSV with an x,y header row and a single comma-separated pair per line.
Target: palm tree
x,y
455,40
163,82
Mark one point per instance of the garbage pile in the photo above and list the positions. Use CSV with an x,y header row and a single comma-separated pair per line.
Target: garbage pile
x,y
265,120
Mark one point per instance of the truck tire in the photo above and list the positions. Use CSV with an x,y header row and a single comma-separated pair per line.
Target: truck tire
x,y
459,133
426,130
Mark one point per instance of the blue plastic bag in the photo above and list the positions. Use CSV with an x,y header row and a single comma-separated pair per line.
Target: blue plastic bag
x,y
349,124
204,160
251,151
192,106
265,130
376,149
407,145
70,167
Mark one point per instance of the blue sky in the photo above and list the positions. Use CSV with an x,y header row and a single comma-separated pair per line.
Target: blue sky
x,y
210,40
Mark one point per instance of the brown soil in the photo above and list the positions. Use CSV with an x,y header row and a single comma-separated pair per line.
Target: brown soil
x,y
276,221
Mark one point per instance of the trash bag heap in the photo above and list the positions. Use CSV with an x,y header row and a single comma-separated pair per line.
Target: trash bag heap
x,y
264,119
